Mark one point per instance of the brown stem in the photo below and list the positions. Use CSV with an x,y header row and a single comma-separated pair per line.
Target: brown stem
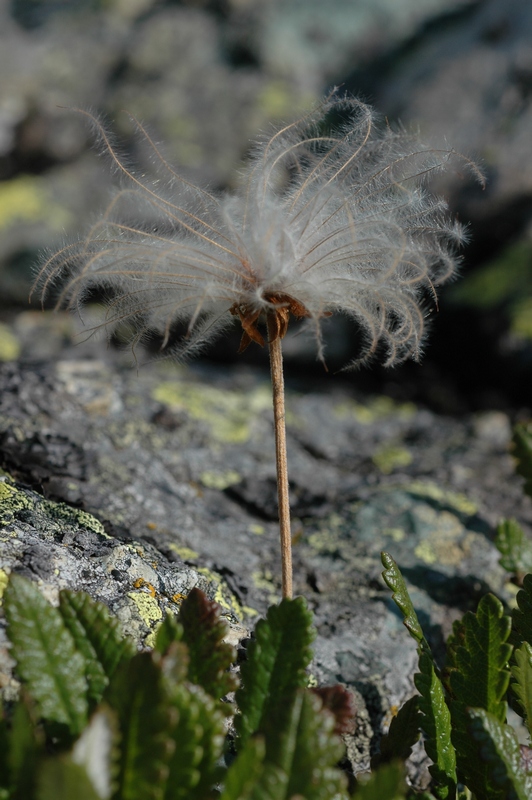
x,y
276,367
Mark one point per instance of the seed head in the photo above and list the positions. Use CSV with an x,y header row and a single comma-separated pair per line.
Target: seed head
x,y
332,215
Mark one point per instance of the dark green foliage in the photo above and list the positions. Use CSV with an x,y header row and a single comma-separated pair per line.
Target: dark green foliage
x,y
203,632
197,743
522,681
435,719
158,731
276,664
522,615
478,655
522,441
497,749
436,725
387,783
138,695
515,548
402,735
97,637
46,656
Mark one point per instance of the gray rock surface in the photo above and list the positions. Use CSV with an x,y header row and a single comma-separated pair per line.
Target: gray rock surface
x,y
165,478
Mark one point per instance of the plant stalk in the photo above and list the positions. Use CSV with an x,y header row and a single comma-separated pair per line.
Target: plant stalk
x,y
276,368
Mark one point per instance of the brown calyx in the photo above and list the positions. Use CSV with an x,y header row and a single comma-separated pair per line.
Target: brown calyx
x,y
278,319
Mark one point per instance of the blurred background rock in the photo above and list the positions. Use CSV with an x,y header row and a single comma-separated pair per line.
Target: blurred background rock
x,y
206,75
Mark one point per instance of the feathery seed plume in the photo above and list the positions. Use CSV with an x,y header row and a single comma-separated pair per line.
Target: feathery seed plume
x,y
327,219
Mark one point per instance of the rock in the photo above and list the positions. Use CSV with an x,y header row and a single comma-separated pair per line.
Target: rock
x,y
174,467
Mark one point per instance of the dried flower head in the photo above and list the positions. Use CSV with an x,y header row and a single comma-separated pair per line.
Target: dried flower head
x,y
328,218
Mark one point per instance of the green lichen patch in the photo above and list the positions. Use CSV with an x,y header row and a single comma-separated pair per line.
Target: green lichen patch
x,y
375,409
391,457
10,346
228,414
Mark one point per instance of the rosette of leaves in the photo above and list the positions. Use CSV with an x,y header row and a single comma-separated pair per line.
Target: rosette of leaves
x,y
97,719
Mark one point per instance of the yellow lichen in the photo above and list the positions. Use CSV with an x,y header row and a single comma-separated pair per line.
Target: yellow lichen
x,y
375,409
220,480
432,491
228,414
4,580
147,606
391,457
9,344
184,553
24,199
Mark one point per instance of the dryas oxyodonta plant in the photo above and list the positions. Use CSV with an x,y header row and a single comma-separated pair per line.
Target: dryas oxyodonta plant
x,y
332,215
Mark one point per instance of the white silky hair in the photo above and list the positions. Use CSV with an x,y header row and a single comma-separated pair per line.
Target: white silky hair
x,y
332,211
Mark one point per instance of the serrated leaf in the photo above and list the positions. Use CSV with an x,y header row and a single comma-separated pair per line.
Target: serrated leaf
x,y
497,747
478,654
522,681
244,773
386,783
47,660
522,441
478,674
97,751
97,636
145,720
515,548
302,752
394,580
198,740
25,742
168,632
522,615
275,667
435,716
210,657
61,779
436,725
403,733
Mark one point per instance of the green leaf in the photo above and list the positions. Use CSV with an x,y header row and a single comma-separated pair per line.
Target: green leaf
x,y
25,742
243,775
97,751
386,783
515,548
168,632
522,681
497,748
198,744
522,441
301,753
436,725
97,636
210,657
435,716
478,654
394,580
522,615
137,694
47,660
275,667
402,735
61,779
